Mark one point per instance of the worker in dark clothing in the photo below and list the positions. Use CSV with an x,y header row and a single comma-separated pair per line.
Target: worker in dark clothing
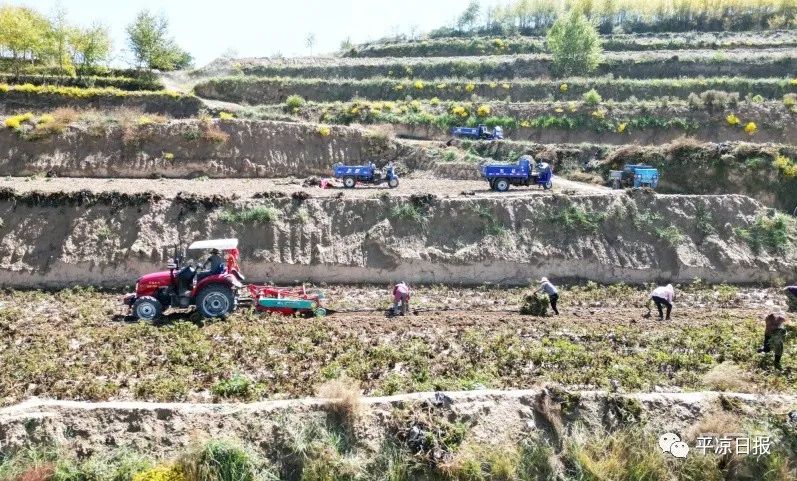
x,y
662,296
774,336
791,297
553,294
214,265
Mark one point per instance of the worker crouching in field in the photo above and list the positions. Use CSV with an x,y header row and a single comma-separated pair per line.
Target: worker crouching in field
x,y
553,294
774,336
663,297
401,296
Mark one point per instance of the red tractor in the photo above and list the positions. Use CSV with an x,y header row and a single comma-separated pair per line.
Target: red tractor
x,y
214,293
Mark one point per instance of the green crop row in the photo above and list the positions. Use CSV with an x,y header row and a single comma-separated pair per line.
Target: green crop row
x,y
122,83
464,46
764,63
263,90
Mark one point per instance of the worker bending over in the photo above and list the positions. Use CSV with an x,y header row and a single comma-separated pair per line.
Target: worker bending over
x,y
401,295
774,336
550,289
662,296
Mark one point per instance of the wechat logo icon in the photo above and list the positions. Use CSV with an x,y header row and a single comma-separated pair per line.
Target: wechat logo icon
x,y
671,443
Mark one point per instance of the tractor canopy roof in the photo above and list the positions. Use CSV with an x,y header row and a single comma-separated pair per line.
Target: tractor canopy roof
x,y
220,244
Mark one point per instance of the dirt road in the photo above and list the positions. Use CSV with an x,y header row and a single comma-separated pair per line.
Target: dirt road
x,y
253,187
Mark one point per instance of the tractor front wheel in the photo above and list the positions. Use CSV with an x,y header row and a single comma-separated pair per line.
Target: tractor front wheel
x,y
147,308
393,183
349,182
215,301
502,185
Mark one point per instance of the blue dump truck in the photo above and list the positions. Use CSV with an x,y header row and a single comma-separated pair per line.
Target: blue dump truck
x,y
480,132
525,172
635,175
366,174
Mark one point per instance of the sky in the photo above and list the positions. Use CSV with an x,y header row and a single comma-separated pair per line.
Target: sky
x,y
207,29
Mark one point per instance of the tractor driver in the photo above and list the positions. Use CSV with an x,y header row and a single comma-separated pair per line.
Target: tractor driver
x,y
214,265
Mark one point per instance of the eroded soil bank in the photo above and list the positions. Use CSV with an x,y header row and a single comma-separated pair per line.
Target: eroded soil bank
x,y
108,239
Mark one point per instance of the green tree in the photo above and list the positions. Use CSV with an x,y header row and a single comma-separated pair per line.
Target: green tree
x,y
90,46
148,38
467,20
23,33
574,44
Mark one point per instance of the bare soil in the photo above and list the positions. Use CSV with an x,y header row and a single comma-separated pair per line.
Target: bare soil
x,y
246,188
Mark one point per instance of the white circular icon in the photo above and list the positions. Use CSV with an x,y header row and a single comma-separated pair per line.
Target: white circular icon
x,y
666,441
679,449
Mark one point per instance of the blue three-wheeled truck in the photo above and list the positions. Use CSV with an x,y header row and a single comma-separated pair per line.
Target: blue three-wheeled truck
x,y
366,174
525,172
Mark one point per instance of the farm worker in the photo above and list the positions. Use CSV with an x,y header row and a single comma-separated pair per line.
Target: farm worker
x,y
214,265
232,260
550,289
791,294
401,294
662,296
774,335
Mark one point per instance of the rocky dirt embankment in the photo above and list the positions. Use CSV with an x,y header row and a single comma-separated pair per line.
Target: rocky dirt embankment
x,y
110,239
492,416
191,148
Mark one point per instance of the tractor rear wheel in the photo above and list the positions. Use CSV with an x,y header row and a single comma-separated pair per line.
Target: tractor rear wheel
x,y
502,184
147,308
547,185
349,182
393,183
215,301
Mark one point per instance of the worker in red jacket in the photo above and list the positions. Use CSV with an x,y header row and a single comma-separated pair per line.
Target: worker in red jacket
x,y
401,295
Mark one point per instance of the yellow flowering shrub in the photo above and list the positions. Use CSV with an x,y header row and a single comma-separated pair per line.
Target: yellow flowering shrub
x,y
435,101
505,86
4,88
459,111
483,110
793,81
388,106
470,88
621,127
732,119
564,88
572,106
599,114
418,85
168,156
15,122
441,86
144,120
751,128
525,123
493,85
786,166
323,131
559,110
46,119
398,88
415,105
226,116
161,473
354,110
499,43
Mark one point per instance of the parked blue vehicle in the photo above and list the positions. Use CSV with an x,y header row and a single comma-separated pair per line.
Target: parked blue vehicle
x,y
635,175
366,174
480,133
525,172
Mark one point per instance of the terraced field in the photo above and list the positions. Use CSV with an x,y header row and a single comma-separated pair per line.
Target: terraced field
x,y
103,174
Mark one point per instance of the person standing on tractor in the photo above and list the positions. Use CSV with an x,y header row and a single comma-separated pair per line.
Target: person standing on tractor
x,y
401,294
550,289
662,296
774,336
214,265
